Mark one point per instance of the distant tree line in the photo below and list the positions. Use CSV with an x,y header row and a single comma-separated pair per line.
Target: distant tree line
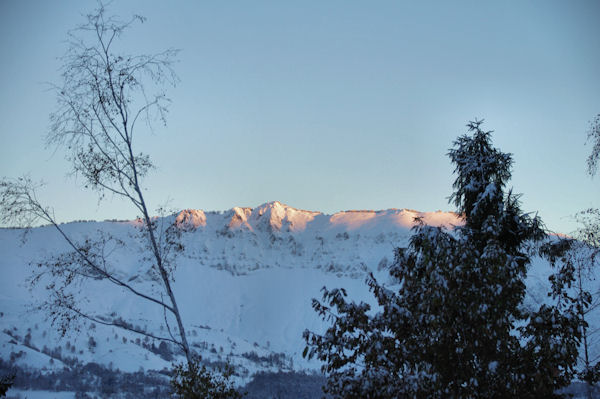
x,y
90,378
97,381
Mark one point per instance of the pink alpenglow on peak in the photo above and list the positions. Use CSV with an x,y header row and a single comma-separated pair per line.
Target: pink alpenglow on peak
x,y
191,218
353,220
239,218
277,216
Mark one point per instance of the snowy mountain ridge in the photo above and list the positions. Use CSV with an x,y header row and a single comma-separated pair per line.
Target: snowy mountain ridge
x,y
275,216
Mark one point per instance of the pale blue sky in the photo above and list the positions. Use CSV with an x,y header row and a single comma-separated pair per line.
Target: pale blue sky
x,y
328,105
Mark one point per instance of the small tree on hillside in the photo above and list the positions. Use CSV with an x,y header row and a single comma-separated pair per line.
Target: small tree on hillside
x,y
195,381
456,325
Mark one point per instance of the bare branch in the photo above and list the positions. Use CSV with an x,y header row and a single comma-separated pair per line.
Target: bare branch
x,y
121,324
594,136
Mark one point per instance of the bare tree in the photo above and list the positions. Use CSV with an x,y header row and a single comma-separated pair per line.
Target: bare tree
x,y
584,256
106,100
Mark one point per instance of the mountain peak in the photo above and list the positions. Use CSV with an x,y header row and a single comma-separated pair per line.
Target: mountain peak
x,y
275,216
190,218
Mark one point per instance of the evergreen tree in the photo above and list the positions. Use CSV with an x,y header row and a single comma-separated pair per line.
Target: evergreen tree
x,y
456,327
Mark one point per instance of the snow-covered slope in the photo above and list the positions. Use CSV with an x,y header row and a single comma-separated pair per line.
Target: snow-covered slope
x,y
244,284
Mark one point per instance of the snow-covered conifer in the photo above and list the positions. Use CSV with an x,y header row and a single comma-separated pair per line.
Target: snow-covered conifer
x,y
455,325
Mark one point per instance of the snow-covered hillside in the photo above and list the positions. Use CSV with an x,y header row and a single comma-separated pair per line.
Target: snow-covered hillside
x,y
244,284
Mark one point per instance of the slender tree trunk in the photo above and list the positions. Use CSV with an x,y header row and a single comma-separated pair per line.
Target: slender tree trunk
x,y
165,278
159,260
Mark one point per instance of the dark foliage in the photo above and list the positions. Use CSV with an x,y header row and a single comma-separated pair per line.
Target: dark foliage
x,y
272,360
5,383
192,380
285,385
